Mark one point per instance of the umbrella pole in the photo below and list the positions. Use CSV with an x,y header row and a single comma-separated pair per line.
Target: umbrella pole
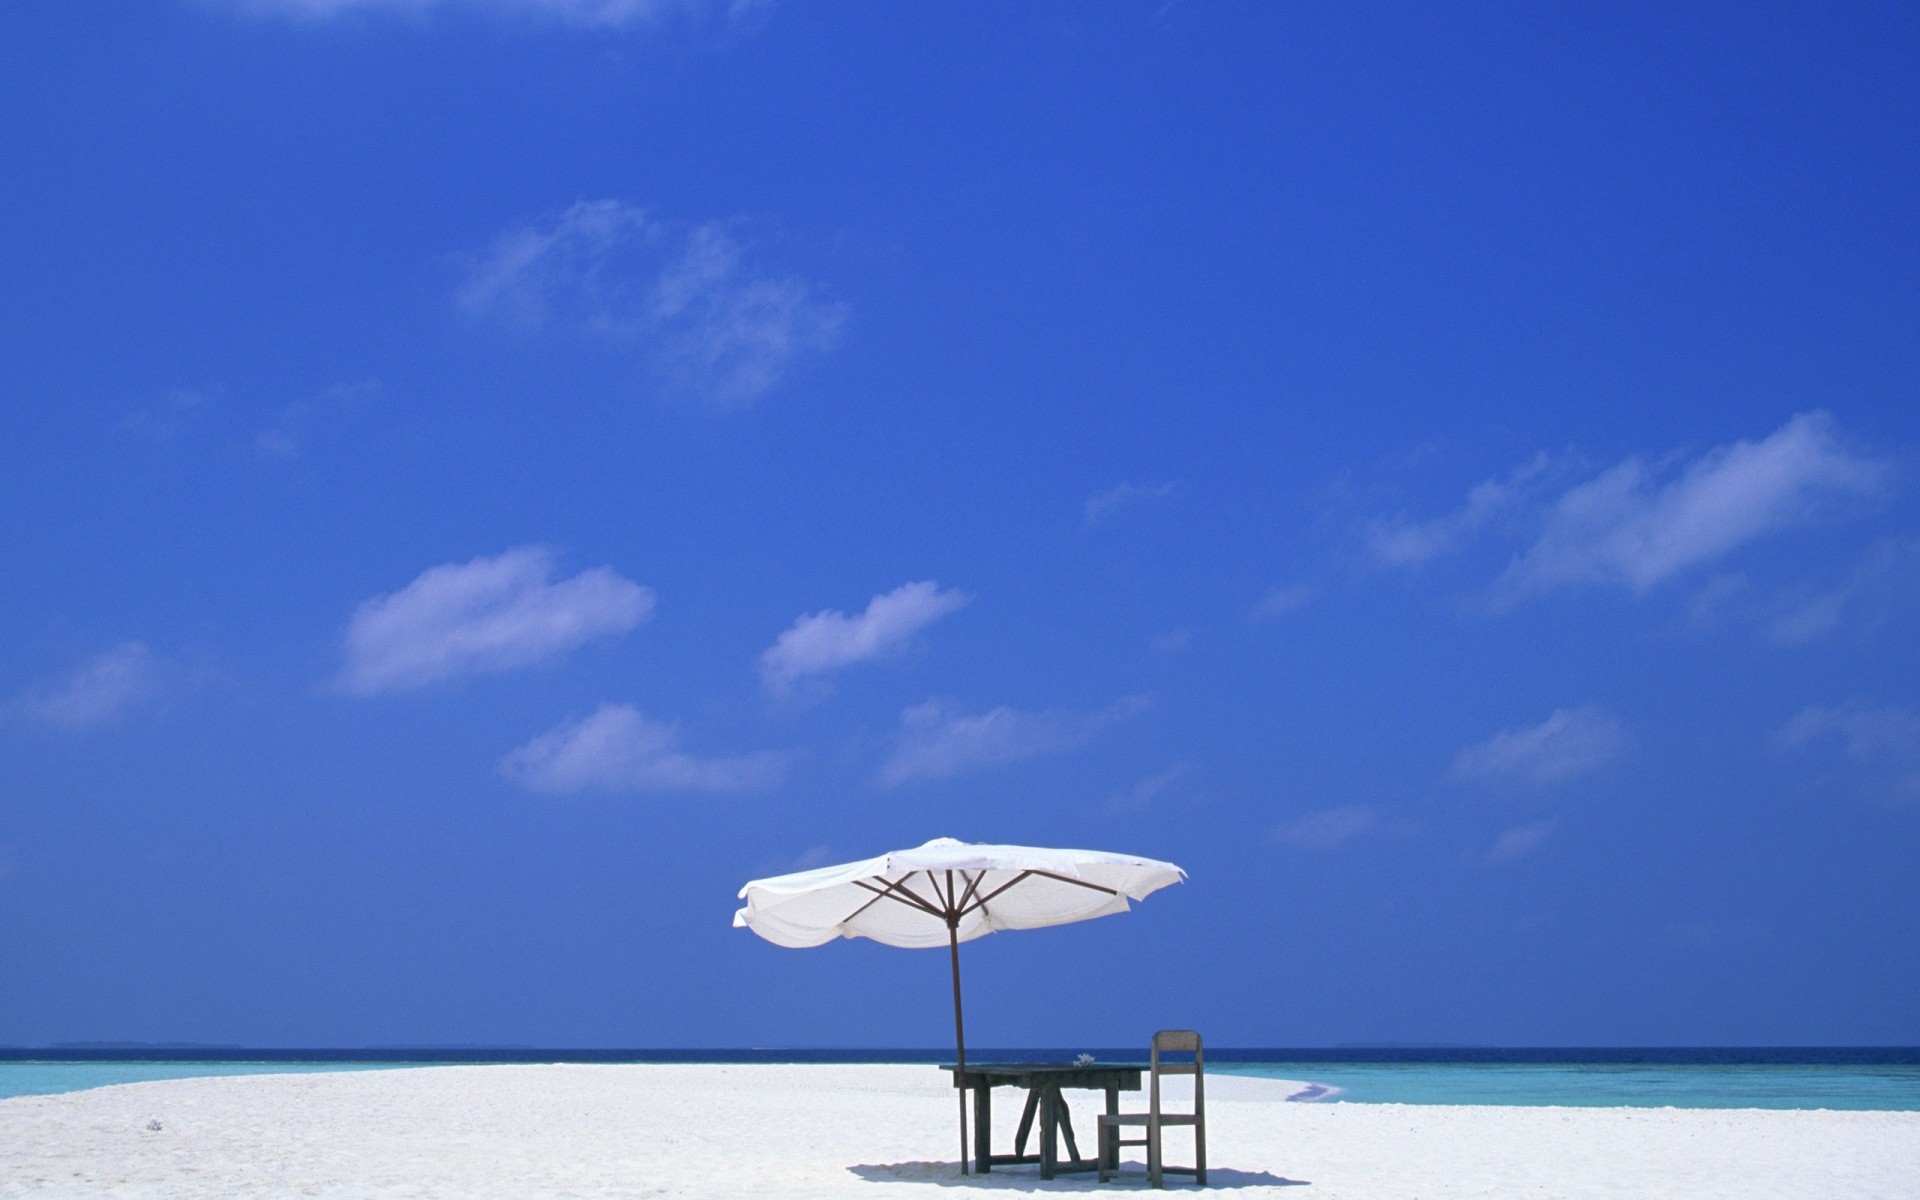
x,y
959,1035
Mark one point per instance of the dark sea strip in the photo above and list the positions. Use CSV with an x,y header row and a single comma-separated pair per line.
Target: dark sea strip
x,y
1561,1055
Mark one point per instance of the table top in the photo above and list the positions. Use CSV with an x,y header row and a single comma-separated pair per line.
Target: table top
x,y
1125,1076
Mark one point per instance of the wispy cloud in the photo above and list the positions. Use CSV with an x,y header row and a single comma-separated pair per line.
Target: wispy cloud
x,y
1402,541
710,321
295,424
1111,501
1519,842
592,14
1887,579
100,691
1329,828
1145,793
1281,600
1880,741
1640,523
619,750
164,420
826,641
1569,743
271,429
1173,641
936,742
489,614
813,856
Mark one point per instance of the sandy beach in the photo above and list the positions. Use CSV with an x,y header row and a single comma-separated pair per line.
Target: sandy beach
x,y
849,1131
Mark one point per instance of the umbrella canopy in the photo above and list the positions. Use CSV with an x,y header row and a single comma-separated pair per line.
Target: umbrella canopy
x,y
944,893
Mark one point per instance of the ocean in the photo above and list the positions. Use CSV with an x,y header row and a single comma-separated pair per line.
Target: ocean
x,y
1603,1085
1867,1078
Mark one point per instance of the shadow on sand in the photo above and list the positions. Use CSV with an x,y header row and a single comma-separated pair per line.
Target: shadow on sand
x,y
1018,1179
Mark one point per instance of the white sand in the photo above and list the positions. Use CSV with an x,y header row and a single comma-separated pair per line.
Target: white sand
x,y
469,1133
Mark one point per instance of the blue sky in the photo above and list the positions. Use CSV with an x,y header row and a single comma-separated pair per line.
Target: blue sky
x,y
484,478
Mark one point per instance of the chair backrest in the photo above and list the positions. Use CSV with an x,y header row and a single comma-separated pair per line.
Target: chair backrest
x,y
1178,1041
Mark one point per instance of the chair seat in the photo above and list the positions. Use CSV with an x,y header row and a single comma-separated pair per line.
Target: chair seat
x,y
1146,1118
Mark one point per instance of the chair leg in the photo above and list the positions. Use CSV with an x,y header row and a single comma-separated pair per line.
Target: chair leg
x,y
1104,1147
1200,1151
1153,1155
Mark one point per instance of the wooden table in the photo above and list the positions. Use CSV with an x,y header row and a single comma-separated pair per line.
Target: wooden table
x,y
1043,1082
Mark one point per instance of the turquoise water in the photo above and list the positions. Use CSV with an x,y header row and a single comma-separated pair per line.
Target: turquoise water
x,y
1603,1085
1853,1085
51,1078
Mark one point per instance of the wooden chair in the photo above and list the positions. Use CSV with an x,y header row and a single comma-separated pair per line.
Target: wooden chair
x,y
1177,1041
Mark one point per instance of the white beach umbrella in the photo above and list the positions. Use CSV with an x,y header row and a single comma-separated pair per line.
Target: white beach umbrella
x,y
944,893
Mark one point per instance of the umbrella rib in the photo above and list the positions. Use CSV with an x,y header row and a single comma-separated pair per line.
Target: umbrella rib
x,y
1077,882
893,890
988,898
878,897
954,900
898,888
981,904
973,886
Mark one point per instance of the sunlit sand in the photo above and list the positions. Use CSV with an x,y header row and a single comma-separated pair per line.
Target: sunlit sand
x,y
805,1131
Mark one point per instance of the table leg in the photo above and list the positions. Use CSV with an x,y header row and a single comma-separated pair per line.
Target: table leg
x,y
1049,1132
1026,1123
1113,1110
1066,1126
983,1128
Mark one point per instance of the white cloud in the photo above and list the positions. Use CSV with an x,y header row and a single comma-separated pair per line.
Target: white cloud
x,y
296,423
1569,743
827,641
100,691
1148,790
936,742
1104,505
814,856
1639,524
1881,741
1283,599
1885,580
1403,542
282,439
1812,617
1877,589
166,420
589,266
1173,641
1332,827
582,13
1722,597
687,297
212,417
617,749
490,614
1519,842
